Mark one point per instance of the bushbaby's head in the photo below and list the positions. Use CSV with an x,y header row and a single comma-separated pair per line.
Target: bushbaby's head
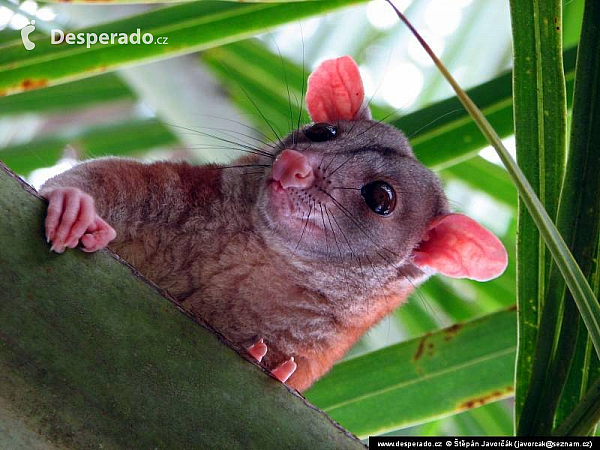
x,y
347,187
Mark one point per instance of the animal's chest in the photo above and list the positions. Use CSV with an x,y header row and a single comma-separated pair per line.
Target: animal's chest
x,y
250,293
233,283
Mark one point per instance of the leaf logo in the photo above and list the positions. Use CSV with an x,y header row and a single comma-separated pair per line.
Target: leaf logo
x,y
25,32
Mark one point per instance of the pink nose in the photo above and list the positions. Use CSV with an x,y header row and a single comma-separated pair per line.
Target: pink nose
x,y
292,170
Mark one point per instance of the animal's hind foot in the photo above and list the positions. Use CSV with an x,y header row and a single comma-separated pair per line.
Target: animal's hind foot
x,y
281,372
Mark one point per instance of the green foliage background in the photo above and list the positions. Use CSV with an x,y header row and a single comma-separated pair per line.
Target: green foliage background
x,y
441,363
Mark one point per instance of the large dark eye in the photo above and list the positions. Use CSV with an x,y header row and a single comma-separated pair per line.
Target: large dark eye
x,y
380,197
321,132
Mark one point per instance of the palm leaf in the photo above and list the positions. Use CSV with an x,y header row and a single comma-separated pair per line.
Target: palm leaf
x,y
189,27
78,361
438,374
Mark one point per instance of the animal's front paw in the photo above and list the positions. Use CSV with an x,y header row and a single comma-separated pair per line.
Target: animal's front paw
x,y
281,372
72,218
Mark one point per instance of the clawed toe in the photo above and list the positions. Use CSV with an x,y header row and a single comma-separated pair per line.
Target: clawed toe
x,y
258,350
281,372
285,370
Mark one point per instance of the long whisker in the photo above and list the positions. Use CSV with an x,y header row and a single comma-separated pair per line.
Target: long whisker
x,y
303,229
322,160
235,134
241,166
341,165
255,106
433,121
287,85
384,258
251,173
376,275
221,147
324,227
332,158
345,188
382,120
303,81
353,220
349,188
256,130
352,253
336,241
251,149
377,122
241,144
367,105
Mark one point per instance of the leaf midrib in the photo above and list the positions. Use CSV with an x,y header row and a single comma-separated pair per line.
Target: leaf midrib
x,y
434,374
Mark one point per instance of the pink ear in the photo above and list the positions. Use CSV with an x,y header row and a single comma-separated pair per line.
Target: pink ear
x,y
335,92
459,247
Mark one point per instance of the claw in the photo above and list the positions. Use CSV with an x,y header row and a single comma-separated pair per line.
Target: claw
x,y
281,372
285,370
258,350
